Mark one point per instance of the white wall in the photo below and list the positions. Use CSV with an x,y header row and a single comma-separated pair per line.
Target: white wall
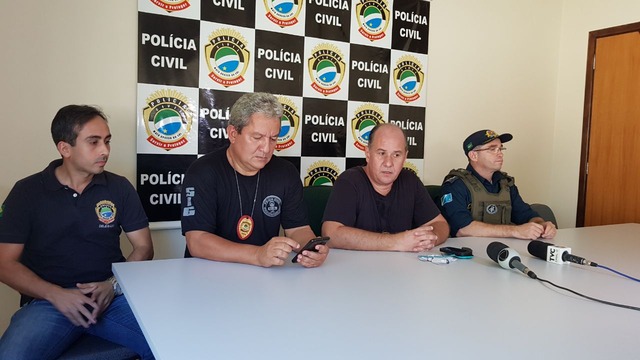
x,y
512,66
579,18
492,65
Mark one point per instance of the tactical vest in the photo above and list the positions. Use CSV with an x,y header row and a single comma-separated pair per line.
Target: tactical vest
x,y
485,206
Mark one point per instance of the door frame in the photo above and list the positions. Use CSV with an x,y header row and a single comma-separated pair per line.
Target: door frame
x,y
586,120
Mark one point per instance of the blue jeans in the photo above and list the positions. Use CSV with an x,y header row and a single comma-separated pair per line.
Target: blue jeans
x,y
39,331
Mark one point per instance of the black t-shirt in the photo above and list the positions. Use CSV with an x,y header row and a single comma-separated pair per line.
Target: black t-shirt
x,y
354,203
210,200
68,237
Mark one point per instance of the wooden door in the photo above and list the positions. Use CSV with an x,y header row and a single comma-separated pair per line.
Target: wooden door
x,y
611,164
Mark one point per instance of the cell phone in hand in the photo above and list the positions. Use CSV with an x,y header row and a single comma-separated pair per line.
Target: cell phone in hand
x,y
311,246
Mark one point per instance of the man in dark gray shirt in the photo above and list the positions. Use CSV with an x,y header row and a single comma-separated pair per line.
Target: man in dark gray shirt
x,y
382,206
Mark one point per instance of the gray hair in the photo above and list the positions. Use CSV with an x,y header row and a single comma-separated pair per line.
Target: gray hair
x,y
251,103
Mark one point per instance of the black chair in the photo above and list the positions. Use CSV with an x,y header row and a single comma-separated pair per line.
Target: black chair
x,y
545,212
89,347
315,198
434,192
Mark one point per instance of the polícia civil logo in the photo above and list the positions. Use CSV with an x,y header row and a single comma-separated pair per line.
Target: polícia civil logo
x,y
227,57
171,5
373,18
408,78
366,117
106,211
411,167
326,69
283,12
321,173
167,119
289,124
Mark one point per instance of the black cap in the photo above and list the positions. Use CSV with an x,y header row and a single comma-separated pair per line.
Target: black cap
x,y
482,137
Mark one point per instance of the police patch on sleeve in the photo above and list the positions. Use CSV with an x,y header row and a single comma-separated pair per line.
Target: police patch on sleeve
x,y
446,198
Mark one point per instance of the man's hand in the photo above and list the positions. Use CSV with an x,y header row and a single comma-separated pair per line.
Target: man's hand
x,y
101,293
528,231
276,251
72,303
549,230
311,259
417,240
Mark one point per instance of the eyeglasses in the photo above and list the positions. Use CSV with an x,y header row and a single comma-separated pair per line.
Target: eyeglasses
x,y
493,149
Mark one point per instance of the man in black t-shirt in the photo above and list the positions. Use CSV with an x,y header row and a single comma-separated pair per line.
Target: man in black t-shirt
x,y
382,206
236,199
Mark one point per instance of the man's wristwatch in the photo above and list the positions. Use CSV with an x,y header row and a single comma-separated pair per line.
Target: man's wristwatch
x,y
117,291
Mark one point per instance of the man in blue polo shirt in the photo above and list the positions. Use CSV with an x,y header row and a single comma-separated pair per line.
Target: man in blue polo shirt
x,y
483,201
60,234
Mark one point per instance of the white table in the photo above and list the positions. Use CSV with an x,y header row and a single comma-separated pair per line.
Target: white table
x,y
382,305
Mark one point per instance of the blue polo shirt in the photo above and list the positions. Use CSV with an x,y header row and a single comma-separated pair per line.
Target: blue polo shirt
x,y
455,202
68,237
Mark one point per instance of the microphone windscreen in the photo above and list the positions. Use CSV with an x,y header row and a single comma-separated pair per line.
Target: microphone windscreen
x,y
494,249
538,249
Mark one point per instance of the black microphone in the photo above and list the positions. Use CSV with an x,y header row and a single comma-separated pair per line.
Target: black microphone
x,y
508,258
556,254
